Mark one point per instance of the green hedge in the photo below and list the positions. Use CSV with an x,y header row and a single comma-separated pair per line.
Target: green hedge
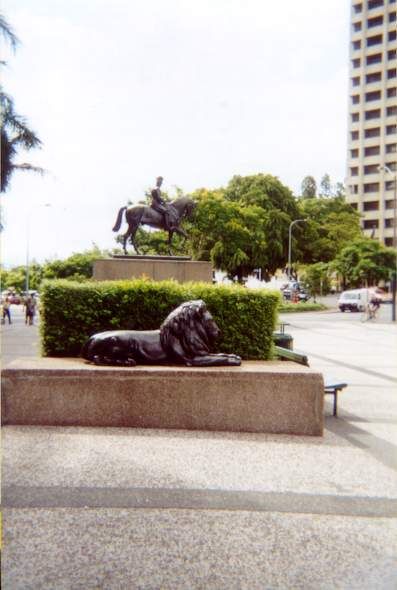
x,y
71,312
298,307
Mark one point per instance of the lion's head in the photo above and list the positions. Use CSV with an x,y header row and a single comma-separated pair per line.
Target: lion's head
x,y
189,329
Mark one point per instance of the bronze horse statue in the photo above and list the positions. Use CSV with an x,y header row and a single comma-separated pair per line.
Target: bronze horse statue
x,y
144,215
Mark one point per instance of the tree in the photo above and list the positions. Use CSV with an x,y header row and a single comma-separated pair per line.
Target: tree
x,y
365,262
15,134
330,225
308,187
325,186
77,267
244,226
316,279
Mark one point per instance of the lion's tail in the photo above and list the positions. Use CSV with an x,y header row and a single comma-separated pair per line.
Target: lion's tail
x,y
119,219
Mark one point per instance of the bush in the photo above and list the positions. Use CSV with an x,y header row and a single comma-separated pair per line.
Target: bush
x,y
297,307
71,312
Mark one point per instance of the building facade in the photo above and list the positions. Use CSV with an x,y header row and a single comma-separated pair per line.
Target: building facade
x,y
372,140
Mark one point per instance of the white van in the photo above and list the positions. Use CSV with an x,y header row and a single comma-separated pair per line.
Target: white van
x,y
354,300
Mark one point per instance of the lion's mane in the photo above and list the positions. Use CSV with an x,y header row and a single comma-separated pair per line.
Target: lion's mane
x,y
189,327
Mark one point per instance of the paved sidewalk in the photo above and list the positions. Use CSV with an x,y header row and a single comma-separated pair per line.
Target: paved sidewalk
x,y
128,508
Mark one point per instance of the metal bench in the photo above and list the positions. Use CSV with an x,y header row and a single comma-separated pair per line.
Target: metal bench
x,y
331,386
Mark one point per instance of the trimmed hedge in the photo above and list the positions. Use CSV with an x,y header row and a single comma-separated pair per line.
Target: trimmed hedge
x,y
71,312
298,307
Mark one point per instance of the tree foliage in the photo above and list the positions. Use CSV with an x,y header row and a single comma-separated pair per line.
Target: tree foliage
x,y
330,225
309,187
245,225
364,262
15,133
316,278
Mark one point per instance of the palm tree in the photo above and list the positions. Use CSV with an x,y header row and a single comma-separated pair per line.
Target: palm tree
x,y
15,134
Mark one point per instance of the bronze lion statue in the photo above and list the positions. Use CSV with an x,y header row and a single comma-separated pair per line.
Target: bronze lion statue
x,y
185,337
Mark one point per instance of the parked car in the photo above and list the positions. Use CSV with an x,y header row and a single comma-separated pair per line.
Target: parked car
x,y
295,286
354,300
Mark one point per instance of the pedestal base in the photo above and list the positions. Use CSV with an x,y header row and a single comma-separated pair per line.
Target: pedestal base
x,y
273,396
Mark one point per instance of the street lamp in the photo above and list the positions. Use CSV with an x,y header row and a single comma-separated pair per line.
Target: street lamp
x,y
27,246
290,243
393,278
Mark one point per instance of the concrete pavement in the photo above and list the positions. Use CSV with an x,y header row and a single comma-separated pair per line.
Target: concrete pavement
x,y
129,508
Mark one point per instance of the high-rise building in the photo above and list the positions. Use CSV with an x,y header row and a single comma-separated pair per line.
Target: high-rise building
x,y
372,142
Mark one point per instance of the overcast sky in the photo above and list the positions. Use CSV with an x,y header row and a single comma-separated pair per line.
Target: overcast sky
x,y
121,91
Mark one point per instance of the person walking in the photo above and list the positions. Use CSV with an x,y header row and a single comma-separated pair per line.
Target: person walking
x,y
30,310
6,305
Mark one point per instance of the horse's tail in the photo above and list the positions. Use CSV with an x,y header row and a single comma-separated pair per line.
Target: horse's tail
x,y
119,219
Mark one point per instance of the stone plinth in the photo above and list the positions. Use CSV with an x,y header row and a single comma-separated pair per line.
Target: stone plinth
x,y
157,269
273,397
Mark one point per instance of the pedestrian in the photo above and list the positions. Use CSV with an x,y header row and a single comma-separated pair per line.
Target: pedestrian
x,y
6,306
30,310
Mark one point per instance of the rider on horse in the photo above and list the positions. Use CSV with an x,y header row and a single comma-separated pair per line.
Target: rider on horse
x,y
158,204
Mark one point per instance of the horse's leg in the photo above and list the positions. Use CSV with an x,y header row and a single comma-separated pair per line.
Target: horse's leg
x,y
133,231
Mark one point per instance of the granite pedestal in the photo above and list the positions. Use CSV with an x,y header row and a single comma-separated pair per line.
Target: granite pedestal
x,y
156,268
272,397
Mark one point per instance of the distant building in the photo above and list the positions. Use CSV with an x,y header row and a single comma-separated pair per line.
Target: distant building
x,y
372,141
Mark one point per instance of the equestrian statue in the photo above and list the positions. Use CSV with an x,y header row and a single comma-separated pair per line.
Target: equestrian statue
x,y
160,215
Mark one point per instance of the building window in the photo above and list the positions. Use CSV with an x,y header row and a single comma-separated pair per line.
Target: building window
x,y
371,223
389,204
356,117
374,22
357,27
389,242
355,99
392,54
392,17
373,132
392,35
371,187
375,40
356,62
392,73
390,111
374,114
376,58
356,81
354,153
371,206
354,135
358,8
371,169
391,148
392,166
373,150
374,4
391,92
354,189
391,129
375,77
389,222
389,185
354,171
357,44
354,205
370,96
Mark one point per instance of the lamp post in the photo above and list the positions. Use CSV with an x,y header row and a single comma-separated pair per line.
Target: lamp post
x,y
290,244
27,247
393,277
